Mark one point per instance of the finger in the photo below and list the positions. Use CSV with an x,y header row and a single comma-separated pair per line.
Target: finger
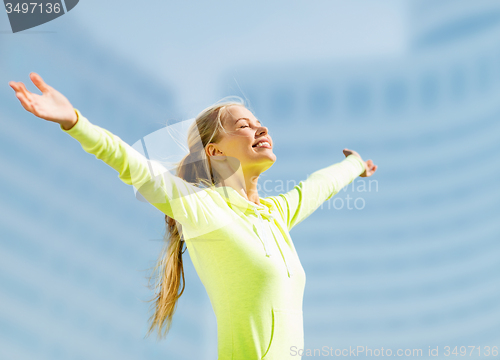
x,y
24,102
15,85
25,91
39,83
17,88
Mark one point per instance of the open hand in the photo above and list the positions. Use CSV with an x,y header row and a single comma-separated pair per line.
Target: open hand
x,y
51,105
369,166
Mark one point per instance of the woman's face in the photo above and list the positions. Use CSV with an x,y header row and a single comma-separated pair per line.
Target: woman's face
x,y
241,138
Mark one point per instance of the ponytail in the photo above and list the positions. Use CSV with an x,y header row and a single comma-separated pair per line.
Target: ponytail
x,y
193,168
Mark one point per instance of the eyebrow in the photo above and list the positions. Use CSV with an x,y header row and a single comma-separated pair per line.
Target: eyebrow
x,y
247,120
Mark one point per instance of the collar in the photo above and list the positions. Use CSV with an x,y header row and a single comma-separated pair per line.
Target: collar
x,y
233,198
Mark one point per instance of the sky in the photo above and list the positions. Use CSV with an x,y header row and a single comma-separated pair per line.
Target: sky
x,y
164,38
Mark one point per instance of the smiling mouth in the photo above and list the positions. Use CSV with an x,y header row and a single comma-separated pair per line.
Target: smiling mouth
x,y
265,145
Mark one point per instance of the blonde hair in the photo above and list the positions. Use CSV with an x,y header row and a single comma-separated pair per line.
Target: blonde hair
x,y
193,168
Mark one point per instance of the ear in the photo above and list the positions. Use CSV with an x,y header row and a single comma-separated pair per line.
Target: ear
x,y
211,150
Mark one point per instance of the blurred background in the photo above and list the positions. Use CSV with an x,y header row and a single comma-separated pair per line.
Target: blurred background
x,y
407,259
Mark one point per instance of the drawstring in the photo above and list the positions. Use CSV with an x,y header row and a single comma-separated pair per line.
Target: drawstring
x,y
264,235
261,231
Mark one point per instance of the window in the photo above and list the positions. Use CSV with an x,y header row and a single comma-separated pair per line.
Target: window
x,y
320,101
358,100
396,96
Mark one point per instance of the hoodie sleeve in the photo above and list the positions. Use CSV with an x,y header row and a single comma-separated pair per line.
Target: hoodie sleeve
x,y
170,194
300,202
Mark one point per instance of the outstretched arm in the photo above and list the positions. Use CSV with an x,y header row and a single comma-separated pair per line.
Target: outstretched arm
x,y
308,195
170,194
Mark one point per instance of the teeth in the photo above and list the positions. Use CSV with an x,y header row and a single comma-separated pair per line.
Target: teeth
x,y
263,143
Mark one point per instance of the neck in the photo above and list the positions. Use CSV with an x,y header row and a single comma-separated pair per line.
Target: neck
x,y
245,183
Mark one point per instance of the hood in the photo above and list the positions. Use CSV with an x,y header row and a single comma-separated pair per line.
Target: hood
x,y
234,199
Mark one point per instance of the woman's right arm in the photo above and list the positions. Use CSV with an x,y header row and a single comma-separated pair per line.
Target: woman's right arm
x,y
169,193
153,181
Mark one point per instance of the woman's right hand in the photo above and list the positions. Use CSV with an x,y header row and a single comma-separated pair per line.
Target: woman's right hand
x,y
51,105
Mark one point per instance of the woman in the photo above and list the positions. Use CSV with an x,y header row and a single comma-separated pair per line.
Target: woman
x,y
239,242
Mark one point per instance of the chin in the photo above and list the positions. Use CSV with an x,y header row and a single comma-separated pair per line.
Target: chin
x,y
263,162
270,162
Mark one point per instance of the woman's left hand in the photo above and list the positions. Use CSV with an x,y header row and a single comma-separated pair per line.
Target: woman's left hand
x,y
369,166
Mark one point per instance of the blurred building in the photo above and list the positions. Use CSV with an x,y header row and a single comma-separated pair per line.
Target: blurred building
x,y
412,262
406,259
75,244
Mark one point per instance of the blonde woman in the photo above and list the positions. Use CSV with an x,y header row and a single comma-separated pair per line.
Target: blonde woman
x,y
239,242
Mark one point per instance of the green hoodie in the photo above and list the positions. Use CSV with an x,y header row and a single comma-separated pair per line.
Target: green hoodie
x,y
242,252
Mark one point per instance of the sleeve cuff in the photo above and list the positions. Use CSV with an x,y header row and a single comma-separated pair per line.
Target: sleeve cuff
x,y
356,161
78,125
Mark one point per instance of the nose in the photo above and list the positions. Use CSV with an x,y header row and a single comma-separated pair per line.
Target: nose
x,y
262,130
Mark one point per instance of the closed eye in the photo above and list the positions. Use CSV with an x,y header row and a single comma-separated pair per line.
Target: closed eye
x,y
243,126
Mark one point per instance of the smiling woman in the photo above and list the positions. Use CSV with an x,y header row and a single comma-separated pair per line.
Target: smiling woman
x,y
248,142
238,242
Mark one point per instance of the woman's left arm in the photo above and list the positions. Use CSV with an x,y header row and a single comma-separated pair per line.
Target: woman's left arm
x,y
308,195
368,164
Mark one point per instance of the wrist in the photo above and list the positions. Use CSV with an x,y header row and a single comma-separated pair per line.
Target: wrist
x,y
68,125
